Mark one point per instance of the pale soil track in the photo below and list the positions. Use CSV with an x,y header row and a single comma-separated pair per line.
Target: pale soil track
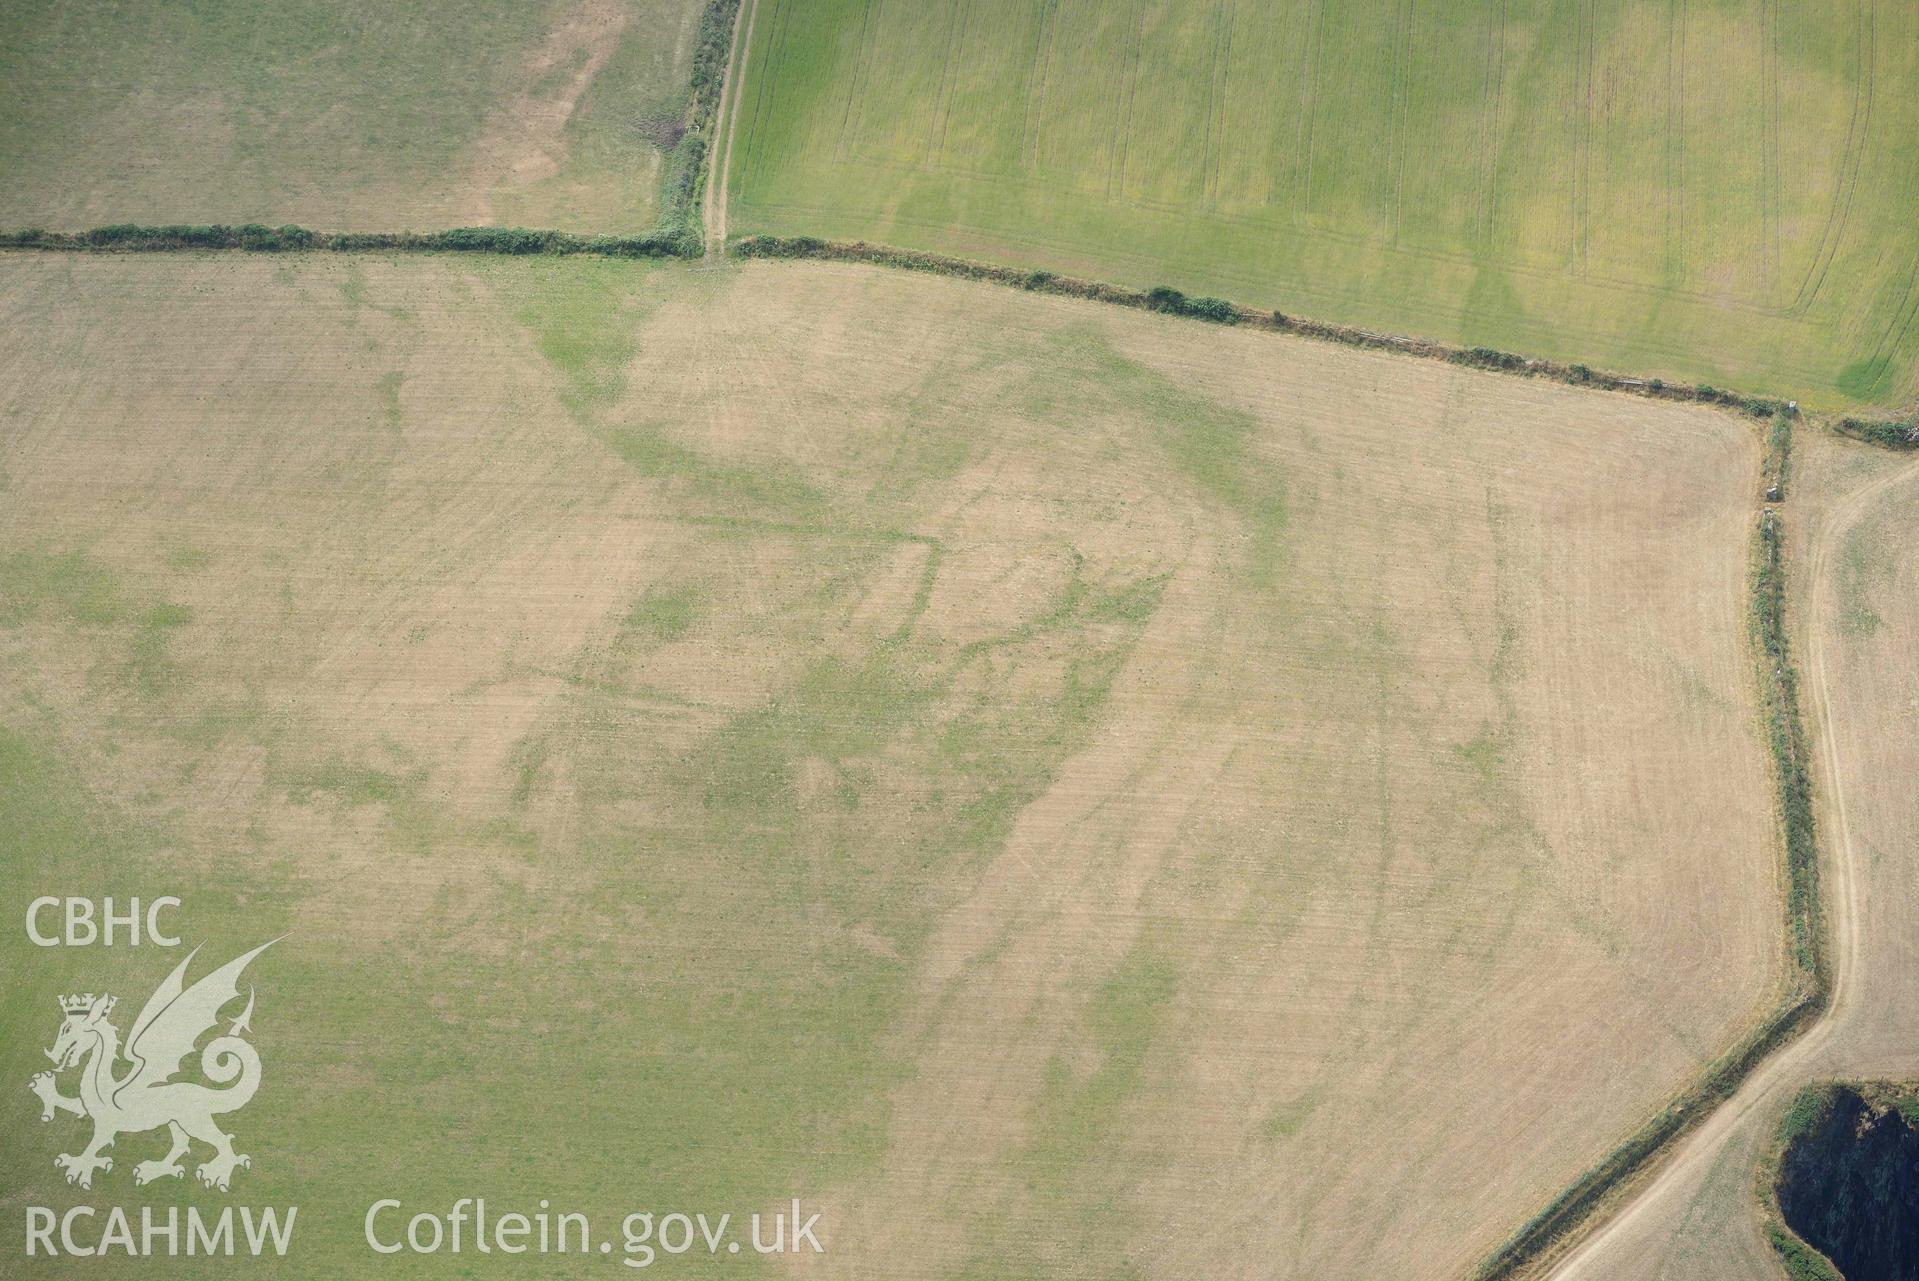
x,y
1678,1177
725,125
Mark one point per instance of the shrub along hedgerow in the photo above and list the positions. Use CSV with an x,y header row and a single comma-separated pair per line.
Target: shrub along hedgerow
x,y
1891,435
256,238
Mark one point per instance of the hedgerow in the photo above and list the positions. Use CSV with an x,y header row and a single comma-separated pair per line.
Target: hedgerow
x,y
1175,303
1891,435
1801,1261
256,238
1165,299
1786,738
678,233
679,230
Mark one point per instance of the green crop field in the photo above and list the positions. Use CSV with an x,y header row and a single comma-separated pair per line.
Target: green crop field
x,y
340,114
1719,192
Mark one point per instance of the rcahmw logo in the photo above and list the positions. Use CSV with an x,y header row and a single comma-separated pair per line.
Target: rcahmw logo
x,y
146,1096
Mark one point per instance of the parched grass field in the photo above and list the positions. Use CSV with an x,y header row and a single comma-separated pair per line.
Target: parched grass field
x,y
1706,192
1862,594
1855,582
1062,790
343,116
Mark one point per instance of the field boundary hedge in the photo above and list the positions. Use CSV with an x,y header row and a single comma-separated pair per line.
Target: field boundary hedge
x,y
1810,981
1877,431
1808,988
1223,312
1786,740
684,177
1889,433
1808,985
258,238
678,232
1571,1207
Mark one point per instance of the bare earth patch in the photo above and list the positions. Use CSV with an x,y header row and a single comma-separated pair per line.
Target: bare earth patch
x,y
524,138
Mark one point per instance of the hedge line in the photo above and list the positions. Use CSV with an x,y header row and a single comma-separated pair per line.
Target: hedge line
x,y
1776,464
683,178
1567,1210
682,184
1219,311
1785,735
1801,1261
1804,922
1879,432
711,47
257,238
1161,298
1810,991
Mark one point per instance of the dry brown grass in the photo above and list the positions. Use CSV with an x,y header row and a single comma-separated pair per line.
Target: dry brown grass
x,y
340,116
1058,788
1855,583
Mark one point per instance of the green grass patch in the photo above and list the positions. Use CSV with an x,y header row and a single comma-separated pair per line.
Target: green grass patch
x,y
1069,1165
1414,173
1866,568
68,585
585,324
664,614
1801,1261
351,784
1867,380
350,114
1075,1113
1208,445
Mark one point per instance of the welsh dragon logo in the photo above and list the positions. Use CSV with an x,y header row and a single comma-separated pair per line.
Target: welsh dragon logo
x,y
145,1096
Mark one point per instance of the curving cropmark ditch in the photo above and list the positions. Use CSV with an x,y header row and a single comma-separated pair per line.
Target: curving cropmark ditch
x,y
1823,1175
